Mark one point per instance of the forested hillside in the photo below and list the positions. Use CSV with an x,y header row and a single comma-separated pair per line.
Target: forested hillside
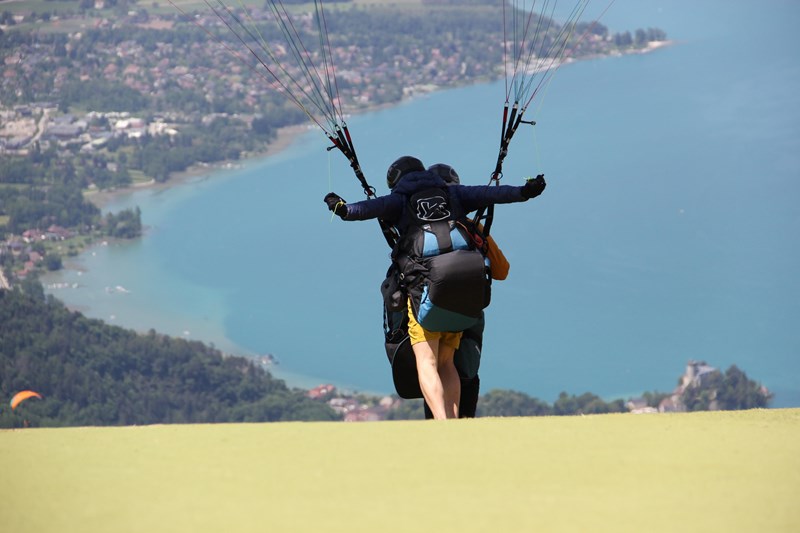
x,y
91,373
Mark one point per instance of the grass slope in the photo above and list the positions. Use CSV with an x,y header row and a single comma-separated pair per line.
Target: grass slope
x,y
724,471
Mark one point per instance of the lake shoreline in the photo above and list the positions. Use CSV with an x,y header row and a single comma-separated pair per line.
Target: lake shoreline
x,y
287,135
284,138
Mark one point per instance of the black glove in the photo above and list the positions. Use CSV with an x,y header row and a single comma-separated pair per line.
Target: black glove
x,y
336,204
534,187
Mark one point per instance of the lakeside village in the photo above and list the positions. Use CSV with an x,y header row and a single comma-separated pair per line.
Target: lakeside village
x,y
697,376
149,63
157,72
25,125
163,73
200,65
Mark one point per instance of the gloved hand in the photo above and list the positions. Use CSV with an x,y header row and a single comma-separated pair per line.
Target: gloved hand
x,y
336,204
534,187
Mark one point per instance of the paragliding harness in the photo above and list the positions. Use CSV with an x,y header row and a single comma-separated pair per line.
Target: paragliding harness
x,y
445,277
438,269
404,365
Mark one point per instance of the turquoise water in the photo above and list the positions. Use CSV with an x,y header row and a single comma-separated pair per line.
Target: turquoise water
x,y
668,230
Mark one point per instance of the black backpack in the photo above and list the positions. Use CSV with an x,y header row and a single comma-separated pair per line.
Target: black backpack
x,y
446,278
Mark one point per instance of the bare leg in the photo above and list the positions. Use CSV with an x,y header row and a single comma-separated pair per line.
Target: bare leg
x,y
426,354
451,381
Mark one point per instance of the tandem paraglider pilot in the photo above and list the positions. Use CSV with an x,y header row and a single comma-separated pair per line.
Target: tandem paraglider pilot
x,y
445,279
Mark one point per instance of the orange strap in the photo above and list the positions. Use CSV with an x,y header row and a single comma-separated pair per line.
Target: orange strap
x,y
497,260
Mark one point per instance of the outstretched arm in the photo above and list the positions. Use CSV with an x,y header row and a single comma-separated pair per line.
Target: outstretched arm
x,y
474,197
386,207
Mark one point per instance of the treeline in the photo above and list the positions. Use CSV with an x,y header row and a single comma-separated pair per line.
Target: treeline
x,y
731,390
499,402
91,373
514,403
45,189
220,139
639,38
29,207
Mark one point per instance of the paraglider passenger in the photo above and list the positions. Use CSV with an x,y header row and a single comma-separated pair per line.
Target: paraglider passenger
x,y
443,275
468,356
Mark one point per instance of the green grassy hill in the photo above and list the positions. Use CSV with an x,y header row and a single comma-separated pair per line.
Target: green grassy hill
x,y
721,471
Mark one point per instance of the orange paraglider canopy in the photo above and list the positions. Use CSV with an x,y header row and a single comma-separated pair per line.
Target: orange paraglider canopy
x,y
22,396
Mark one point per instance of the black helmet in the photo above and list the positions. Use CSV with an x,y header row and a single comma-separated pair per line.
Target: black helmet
x,y
401,167
446,172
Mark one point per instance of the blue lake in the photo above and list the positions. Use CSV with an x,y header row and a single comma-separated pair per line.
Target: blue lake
x,y
668,230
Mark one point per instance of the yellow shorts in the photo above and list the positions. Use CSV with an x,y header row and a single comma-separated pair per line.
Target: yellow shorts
x,y
418,334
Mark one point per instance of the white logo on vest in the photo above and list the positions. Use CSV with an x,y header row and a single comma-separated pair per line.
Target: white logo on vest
x,y
433,209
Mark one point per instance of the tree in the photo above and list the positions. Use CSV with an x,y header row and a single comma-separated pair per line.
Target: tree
x,y
90,373
408,410
262,126
623,40
511,403
52,261
729,391
739,392
126,224
585,404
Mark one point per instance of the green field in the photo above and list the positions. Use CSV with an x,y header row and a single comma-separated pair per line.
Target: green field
x,y
709,472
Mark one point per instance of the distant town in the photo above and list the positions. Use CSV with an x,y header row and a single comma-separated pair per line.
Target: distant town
x,y
40,123
165,58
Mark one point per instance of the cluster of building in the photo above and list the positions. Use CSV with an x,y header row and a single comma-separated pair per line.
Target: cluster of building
x,y
351,409
201,67
22,246
367,78
23,125
696,375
